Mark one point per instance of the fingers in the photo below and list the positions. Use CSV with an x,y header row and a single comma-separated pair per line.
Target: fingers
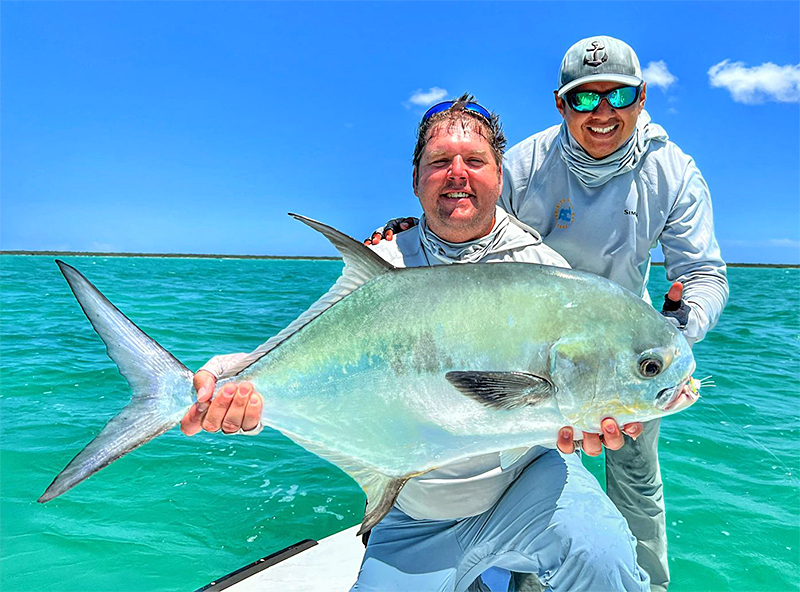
x,y
634,430
204,383
232,409
566,440
234,417
611,437
390,230
191,422
252,415
591,444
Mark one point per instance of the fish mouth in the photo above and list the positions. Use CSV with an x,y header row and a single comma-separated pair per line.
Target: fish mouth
x,y
676,398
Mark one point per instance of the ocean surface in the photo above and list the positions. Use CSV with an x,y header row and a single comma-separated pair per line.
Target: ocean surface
x,y
180,512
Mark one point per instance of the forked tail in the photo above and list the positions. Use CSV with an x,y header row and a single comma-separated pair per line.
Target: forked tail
x,y
161,385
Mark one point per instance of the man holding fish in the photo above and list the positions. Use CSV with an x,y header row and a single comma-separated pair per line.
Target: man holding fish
x,y
603,187
530,510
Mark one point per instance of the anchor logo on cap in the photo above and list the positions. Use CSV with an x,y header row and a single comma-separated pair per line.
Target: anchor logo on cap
x,y
595,48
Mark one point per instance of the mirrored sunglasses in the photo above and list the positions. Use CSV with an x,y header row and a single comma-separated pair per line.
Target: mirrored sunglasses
x,y
619,98
445,105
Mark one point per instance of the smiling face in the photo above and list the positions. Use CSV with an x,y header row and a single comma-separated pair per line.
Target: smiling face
x,y
604,130
458,181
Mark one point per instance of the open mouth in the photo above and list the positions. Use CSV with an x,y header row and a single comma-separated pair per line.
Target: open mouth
x,y
456,195
602,130
677,397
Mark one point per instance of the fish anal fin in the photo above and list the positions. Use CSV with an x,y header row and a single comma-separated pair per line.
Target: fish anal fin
x,y
382,491
509,457
502,390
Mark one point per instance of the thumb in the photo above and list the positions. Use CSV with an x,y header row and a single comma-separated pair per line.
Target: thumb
x,y
675,292
672,301
204,383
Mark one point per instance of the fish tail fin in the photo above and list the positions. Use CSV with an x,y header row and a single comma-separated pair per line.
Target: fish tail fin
x,y
161,385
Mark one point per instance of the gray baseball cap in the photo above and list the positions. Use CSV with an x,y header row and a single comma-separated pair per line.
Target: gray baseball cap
x,y
598,59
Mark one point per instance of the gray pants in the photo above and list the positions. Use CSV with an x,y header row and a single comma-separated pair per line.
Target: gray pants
x,y
633,482
553,522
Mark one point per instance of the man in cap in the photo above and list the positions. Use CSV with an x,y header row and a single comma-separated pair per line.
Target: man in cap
x,y
603,187
523,510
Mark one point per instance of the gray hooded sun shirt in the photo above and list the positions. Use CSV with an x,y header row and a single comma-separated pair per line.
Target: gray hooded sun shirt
x,y
604,216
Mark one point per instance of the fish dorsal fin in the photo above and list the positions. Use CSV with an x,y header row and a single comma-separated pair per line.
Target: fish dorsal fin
x,y
364,263
502,390
361,265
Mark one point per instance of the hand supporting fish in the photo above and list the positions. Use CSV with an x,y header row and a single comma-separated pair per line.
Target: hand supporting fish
x,y
235,409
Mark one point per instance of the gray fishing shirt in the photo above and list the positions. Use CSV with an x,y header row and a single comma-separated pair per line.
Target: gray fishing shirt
x,y
610,229
473,485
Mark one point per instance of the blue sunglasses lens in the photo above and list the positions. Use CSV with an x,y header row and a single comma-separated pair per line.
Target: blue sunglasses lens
x,y
583,102
444,106
623,97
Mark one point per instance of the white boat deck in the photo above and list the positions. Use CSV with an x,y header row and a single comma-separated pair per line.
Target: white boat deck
x,y
331,564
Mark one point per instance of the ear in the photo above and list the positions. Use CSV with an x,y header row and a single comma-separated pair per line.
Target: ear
x,y
500,177
560,103
643,96
415,179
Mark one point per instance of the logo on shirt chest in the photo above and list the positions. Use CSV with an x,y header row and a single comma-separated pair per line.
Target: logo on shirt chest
x,y
633,213
564,213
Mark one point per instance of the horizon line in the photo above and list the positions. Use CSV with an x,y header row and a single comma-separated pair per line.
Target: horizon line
x,y
308,257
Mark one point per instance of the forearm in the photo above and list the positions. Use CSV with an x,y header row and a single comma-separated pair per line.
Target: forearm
x,y
692,257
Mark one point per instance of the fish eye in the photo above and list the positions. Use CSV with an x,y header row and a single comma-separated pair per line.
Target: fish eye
x,y
650,367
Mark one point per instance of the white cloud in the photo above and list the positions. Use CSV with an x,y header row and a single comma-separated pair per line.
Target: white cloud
x,y
423,99
657,74
752,86
784,242
770,242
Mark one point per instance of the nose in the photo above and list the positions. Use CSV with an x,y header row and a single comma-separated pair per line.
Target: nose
x,y
458,169
604,108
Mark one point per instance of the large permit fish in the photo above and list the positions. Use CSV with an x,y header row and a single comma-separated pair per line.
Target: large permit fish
x,y
395,372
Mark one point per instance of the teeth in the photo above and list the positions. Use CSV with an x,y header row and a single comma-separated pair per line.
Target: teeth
x,y
457,195
602,130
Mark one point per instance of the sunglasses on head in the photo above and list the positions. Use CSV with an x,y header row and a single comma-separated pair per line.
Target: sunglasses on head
x,y
445,105
584,101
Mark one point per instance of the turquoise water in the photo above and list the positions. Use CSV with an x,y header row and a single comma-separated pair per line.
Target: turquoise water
x,y
179,512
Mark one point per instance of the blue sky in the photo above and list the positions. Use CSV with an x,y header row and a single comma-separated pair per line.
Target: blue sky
x,y
194,127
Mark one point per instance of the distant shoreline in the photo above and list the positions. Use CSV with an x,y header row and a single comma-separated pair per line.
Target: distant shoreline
x,y
167,255
293,257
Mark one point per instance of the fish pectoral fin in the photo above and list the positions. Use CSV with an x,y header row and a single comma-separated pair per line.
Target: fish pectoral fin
x,y
382,491
502,390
